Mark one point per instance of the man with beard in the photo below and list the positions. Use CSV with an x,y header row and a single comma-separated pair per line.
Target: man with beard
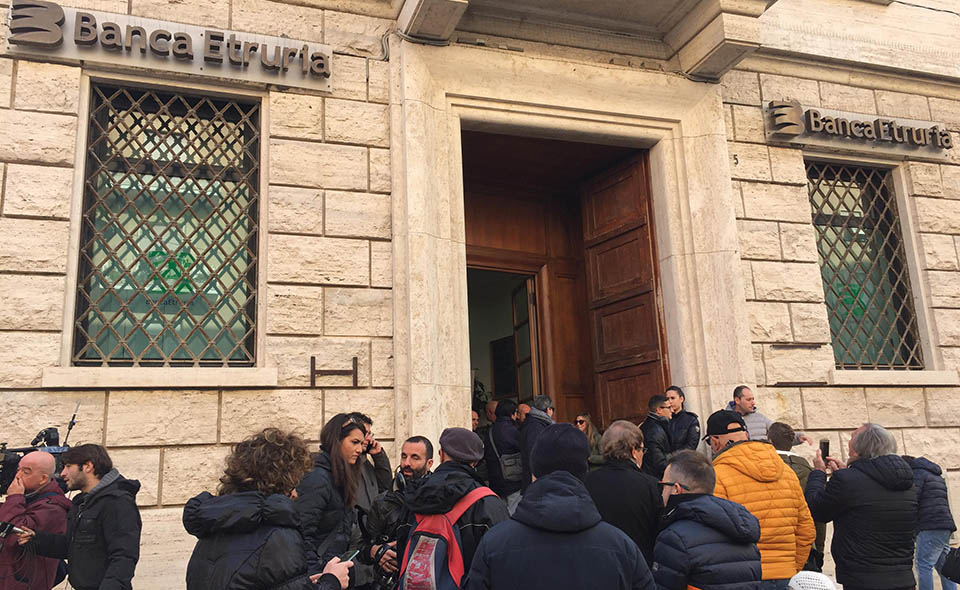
x,y
387,518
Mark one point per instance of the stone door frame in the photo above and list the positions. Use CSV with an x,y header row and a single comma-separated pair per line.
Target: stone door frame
x,y
436,92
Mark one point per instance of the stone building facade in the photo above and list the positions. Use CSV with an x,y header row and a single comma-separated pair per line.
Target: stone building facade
x,y
361,231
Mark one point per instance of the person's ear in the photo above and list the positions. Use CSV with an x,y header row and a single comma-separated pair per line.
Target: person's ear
x,y
87,468
429,464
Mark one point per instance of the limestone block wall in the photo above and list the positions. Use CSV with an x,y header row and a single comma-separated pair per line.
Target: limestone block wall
x,y
327,267
782,277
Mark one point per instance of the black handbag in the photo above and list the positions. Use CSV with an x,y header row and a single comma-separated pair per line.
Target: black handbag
x,y
948,565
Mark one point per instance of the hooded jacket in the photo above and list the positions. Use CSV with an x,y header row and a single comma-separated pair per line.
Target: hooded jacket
x,y
557,540
684,431
934,508
439,492
43,510
536,422
656,441
873,504
325,520
751,473
708,543
629,500
102,544
247,541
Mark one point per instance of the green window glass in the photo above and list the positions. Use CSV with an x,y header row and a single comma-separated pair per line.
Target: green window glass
x,y
866,281
168,247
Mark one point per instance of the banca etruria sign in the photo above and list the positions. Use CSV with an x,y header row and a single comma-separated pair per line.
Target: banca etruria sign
x,y
42,28
790,122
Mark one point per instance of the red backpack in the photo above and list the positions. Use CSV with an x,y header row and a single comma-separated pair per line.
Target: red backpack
x,y
432,559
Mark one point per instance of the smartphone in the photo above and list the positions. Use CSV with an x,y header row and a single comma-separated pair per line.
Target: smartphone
x,y
824,448
349,555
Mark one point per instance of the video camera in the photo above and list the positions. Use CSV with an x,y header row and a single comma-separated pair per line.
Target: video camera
x,y
47,440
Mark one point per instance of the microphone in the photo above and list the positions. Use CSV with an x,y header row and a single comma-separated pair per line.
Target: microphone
x,y
7,527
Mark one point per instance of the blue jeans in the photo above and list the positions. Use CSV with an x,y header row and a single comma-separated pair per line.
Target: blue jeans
x,y
775,585
930,544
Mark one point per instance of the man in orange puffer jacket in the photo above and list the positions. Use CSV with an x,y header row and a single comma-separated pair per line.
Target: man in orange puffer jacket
x,y
751,473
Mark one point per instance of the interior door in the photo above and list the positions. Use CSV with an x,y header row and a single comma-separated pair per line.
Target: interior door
x,y
525,339
623,295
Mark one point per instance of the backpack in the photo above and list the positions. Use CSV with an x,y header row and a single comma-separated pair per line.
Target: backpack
x,y
432,559
511,466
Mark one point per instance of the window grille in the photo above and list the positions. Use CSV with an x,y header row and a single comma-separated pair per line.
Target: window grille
x,y
863,265
168,247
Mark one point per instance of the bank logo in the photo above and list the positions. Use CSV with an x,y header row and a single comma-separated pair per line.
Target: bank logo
x,y
36,23
787,117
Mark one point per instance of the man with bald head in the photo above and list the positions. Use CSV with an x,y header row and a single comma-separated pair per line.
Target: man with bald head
x,y
35,501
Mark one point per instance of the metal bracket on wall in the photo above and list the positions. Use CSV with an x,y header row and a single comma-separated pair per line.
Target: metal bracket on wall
x,y
315,372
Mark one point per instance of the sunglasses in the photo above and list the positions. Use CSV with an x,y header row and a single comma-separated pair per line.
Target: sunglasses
x,y
581,421
671,484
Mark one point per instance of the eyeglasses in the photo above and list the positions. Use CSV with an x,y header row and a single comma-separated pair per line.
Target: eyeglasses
x,y
671,484
642,449
581,422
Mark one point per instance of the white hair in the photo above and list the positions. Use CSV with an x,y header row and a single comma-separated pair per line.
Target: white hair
x,y
872,441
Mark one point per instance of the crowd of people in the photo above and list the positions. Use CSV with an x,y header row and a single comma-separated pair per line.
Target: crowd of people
x,y
519,502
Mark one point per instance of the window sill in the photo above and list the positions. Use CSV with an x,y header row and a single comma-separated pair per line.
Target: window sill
x,y
894,378
159,377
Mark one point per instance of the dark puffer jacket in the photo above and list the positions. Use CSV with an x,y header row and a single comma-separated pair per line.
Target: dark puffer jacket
x,y
708,543
934,507
325,519
656,441
536,422
440,491
247,541
874,508
684,431
506,438
102,544
557,540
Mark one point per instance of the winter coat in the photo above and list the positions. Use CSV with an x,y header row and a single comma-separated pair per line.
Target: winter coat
x,y
438,494
247,541
536,422
656,441
873,506
707,543
595,460
934,508
43,510
629,500
507,439
376,478
752,474
102,544
802,468
388,518
684,431
556,539
325,519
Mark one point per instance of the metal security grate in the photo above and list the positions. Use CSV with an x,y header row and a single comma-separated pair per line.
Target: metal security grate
x,y
168,256
865,277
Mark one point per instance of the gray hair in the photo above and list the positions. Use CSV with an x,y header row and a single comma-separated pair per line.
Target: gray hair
x,y
619,441
542,403
872,441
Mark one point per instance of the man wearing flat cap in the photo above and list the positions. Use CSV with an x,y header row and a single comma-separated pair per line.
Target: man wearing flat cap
x,y
460,450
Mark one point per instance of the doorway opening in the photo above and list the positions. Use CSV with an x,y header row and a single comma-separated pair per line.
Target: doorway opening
x,y
563,285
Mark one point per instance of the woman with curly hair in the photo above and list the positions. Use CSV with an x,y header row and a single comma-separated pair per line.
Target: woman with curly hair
x,y
248,534
327,494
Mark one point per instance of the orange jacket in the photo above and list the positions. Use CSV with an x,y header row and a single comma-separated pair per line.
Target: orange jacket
x,y
752,474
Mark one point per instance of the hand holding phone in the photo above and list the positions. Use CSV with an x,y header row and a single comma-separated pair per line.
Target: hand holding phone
x,y
824,448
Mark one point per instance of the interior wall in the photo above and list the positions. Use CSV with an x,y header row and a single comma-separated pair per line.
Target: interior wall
x,y
490,315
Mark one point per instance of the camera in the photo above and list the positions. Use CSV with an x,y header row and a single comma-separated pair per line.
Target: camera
x,y
47,440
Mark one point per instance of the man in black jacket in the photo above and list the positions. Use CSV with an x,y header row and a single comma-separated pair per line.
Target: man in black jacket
x,y
873,504
684,426
539,417
556,538
655,436
102,544
625,497
706,542
935,522
503,438
460,450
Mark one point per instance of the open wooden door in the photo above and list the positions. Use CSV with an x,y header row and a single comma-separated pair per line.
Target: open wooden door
x,y
524,302
623,295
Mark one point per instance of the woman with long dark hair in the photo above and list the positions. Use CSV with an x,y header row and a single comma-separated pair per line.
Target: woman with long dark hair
x,y
327,494
248,537
585,423
684,426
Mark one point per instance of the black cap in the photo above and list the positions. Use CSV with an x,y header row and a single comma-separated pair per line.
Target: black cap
x,y
461,445
560,447
719,423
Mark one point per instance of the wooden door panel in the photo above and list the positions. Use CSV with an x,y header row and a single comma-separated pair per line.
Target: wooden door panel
x,y
623,393
612,206
620,267
626,332
626,323
505,222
